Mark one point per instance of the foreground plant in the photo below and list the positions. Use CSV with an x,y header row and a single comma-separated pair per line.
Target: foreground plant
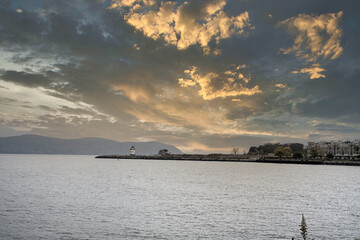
x,y
303,227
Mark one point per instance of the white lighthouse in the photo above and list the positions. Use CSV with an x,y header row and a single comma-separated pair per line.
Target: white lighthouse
x,y
132,150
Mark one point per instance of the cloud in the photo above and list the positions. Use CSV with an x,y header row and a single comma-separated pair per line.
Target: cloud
x,y
281,85
208,90
39,102
130,3
134,93
181,25
25,78
63,52
314,71
316,38
328,127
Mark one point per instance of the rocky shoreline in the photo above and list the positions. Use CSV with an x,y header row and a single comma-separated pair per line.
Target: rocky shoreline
x,y
232,158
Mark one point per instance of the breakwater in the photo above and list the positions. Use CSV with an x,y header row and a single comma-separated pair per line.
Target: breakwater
x,y
233,158
186,157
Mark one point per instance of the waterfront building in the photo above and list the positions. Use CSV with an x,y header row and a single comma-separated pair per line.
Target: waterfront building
x,y
338,149
132,150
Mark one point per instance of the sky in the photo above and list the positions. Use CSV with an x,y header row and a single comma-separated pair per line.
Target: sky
x,y
205,76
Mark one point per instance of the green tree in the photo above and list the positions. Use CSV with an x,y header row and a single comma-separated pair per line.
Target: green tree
x,y
279,151
287,151
297,156
329,156
314,153
303,227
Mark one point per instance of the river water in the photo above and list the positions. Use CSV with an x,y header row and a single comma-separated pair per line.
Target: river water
x,y
79,197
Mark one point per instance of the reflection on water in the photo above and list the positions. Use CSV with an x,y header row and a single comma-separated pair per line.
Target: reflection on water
x,y
79,197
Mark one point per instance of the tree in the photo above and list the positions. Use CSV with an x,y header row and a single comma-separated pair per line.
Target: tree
x,y
296,147
303,227
163,152
329,156
287,151
235,150
297,155
252,150
279,151
271,147
314,152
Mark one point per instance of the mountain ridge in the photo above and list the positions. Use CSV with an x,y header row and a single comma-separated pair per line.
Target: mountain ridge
x,y
37,144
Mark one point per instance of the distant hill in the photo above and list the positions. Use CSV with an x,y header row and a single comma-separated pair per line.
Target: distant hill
x,y
35,144
9,132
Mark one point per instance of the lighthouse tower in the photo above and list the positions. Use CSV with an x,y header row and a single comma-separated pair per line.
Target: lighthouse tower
x,y
132,151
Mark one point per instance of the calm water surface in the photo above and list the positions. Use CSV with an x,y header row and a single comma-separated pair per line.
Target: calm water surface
x,y
79,197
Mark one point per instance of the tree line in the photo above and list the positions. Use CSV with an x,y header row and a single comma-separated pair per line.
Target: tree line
x,y
295,150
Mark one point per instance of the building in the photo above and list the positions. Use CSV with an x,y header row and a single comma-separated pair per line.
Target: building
x,y
338,149
132,150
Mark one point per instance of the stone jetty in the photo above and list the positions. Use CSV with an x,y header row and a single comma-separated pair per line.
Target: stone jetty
x,y
233,158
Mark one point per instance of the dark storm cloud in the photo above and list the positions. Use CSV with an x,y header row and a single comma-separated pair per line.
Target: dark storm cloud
x,y
18,29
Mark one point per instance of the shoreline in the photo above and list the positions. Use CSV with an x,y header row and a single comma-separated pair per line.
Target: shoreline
x,y
182,157
231,158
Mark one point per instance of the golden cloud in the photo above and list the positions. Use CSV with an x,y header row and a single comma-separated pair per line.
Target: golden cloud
x,y
173,24
230,87
130,3
315,37
314,71
281,85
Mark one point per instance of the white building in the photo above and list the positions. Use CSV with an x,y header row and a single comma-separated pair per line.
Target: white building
x,y
339,149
